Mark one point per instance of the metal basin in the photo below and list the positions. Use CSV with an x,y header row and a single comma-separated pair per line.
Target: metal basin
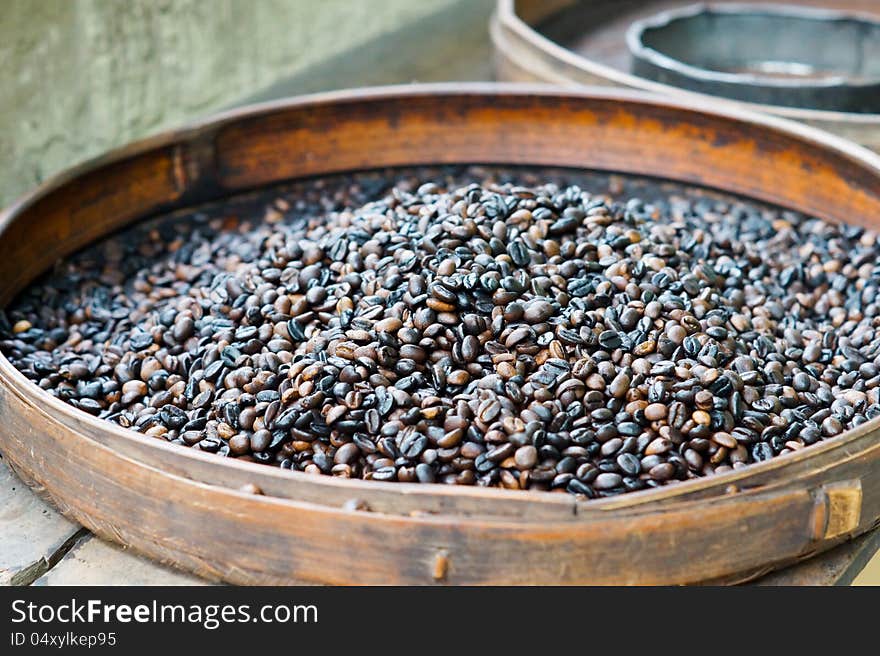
x,y
771,54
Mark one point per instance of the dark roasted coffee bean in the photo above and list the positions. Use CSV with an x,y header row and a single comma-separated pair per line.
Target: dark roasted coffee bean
x,y
610,339
607,481
629,464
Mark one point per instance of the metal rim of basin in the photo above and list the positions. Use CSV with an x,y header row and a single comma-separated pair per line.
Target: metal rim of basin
x,y
838,91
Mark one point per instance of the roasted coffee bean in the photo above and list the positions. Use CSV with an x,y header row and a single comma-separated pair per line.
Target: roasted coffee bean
x,y
607,481
526,457
346,454
629,464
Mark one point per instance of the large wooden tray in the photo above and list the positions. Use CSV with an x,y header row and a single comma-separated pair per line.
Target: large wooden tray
x,y
188,508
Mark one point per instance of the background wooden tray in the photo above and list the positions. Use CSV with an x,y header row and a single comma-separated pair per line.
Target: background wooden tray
x,y
186,508
583,42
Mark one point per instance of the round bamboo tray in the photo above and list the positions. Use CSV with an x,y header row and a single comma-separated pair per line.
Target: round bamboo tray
x,y
583,42
191,509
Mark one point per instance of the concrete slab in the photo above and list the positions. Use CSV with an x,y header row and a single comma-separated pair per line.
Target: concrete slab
x,y
33,535
95,562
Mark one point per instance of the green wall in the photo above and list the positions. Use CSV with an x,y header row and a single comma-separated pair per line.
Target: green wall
x,y
81,76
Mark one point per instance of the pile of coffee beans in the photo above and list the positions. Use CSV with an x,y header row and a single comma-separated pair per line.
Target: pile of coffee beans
x,y
544,330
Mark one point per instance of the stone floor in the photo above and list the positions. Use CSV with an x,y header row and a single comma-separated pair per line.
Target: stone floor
x,y
39,546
